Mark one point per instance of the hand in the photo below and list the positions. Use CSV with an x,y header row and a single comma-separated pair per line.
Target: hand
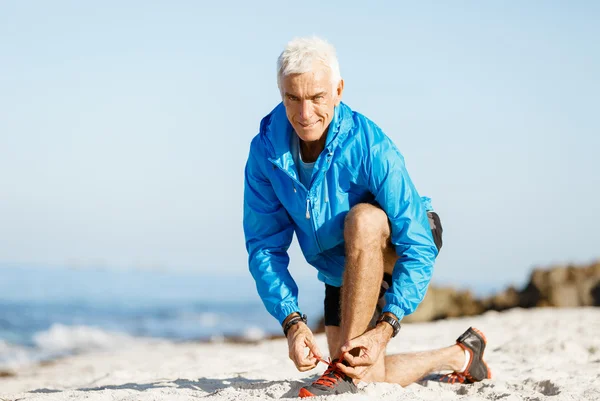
x,y
299,338
370,345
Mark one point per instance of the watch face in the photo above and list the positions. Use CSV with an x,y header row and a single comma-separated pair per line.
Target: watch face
x,y
396,328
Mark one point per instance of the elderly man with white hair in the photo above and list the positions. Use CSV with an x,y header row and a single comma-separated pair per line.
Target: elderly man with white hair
x,y
329,174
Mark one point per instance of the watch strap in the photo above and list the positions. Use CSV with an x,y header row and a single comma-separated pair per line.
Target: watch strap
x,y
293,321
392,322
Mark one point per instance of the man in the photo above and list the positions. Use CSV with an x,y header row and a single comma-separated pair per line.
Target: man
x,y
330,175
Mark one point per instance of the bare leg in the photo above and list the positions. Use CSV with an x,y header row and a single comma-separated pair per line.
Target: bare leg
x,y
377,372
333,334
368,255
405,369
366,233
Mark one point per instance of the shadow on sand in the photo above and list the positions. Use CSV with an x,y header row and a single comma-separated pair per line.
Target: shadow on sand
x,y
214,386
205,384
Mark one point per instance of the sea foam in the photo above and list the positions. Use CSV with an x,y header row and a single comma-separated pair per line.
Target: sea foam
x,y
60,340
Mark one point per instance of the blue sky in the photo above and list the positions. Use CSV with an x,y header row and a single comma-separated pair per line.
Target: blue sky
x,y
124,126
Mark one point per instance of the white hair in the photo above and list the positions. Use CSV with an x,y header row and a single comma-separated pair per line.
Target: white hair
x,y
300,55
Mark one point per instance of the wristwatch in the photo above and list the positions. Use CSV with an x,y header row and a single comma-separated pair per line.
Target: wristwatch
x,y
392,322
295,320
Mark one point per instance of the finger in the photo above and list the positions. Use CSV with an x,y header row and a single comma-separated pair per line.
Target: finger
x,y
312,356
354,343
355,373
297,356
318,358
304,368
306,364
303,360
361,360
314,349
308,361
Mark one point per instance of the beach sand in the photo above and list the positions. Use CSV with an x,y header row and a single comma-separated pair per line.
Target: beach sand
x,y
537,354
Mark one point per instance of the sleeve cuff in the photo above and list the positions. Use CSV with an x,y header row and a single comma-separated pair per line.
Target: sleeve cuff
x,y
284,310
395,309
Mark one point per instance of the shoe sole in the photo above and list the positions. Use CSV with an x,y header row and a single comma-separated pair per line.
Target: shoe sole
x,y
478,332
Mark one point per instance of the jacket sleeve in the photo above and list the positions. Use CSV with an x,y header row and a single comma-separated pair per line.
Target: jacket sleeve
x,y
268,231
394,191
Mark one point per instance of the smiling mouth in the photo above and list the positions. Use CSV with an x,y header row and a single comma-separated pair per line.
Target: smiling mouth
x,y
310,125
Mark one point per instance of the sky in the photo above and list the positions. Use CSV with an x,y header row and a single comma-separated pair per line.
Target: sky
x,y
125,126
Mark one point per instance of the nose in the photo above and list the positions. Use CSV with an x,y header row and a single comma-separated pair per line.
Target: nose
x,y
306,111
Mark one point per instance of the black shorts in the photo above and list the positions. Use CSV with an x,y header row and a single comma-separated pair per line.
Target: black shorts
x,y
332,294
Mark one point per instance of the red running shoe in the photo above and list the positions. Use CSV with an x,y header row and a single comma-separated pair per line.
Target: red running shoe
x,y
473,341
333,381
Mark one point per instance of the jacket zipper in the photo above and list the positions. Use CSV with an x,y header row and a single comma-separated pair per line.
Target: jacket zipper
x,y
314,224
289,175
314,228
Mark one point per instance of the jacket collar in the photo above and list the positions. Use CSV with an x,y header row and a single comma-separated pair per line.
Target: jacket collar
x,y
277,131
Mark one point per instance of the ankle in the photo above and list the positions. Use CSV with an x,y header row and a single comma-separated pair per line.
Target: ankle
x,y
459,359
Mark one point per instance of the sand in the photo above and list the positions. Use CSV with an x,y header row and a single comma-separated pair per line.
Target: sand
x,y
538,354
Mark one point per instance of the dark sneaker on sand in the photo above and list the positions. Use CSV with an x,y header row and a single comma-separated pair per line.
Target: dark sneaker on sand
x,y
333,381
473,341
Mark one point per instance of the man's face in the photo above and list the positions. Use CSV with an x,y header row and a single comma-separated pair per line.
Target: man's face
x,y
309,101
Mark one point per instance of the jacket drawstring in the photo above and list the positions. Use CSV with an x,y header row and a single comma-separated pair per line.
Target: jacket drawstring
x,y
307,208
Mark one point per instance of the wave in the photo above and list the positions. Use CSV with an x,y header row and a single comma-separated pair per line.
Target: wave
x,y
203,319
13,356
254,333
37,331
61,340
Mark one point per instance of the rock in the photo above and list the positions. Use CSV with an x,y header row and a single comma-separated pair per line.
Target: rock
x,y
564,296
561,286
507,299
596,294
531,296
6,373
558,286
442,303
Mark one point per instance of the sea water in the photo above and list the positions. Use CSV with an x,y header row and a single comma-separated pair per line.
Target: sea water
x,y
50,312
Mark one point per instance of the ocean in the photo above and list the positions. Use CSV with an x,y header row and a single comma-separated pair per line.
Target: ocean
x,y
47,313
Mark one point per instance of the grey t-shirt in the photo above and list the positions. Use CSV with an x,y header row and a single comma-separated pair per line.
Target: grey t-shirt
x,y
305,170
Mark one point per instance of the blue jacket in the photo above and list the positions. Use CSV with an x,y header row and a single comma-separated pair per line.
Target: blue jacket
x,y
359,164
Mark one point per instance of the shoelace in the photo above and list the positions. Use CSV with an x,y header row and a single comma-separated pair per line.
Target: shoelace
x,y
453,378
331,376
458,377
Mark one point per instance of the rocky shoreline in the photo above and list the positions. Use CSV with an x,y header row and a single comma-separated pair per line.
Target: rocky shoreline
x,y
558,286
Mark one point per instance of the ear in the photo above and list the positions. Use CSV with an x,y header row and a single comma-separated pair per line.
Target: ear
x,y
338,92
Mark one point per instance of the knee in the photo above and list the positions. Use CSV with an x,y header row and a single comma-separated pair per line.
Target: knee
x,y
366,225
